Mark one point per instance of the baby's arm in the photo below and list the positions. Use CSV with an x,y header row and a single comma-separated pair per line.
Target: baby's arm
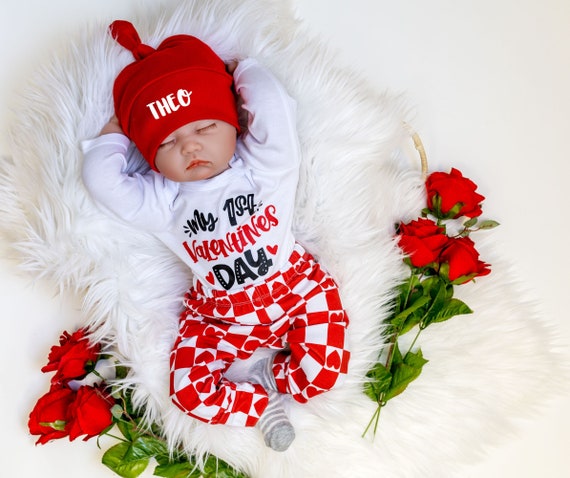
x,y
112,126
141,200
272,124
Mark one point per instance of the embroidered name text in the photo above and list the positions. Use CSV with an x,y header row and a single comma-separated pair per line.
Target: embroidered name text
x,y
170,103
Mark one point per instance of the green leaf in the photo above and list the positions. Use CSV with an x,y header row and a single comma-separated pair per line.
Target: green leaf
x,y
177,470
444,271
405,315
435,286
411,321
146,446
439,294
470,223
121,371
404,371
58,425
454,211
443,306
130,459
488,224
436,206
427,299
436,309
127,429
452,308
89,366
379,382
119,459
406,289
117,411
184,468
464,279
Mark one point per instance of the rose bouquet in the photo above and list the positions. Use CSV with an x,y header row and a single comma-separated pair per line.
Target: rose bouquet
x,y
440,255
86,399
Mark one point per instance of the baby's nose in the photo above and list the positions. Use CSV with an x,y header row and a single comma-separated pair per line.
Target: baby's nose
x,y
190,145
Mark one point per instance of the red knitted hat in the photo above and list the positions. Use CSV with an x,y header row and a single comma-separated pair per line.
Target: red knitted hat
x,y
181,81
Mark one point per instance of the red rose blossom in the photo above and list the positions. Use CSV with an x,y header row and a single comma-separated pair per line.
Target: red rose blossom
x,y
70,358
50,417
461,261
450,195
90,413
422,240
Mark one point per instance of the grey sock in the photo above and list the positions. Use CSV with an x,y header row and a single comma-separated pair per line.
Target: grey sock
x,y
261,372
274,424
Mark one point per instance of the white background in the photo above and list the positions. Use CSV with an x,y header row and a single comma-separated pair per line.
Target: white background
x,y
489,80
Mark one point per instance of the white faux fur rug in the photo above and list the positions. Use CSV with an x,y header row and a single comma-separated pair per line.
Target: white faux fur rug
x,y
484,369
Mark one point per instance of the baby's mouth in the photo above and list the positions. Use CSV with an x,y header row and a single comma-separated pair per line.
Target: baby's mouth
x,y
195,163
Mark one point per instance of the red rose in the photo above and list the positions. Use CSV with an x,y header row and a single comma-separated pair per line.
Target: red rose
x,y
460,261
450,195
422,240
71,358
50,417
90,413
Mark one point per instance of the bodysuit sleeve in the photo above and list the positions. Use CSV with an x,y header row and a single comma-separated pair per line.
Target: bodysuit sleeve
x,y
271,139
143,201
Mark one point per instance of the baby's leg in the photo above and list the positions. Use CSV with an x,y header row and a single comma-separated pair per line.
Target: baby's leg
x,y
318,357
198,361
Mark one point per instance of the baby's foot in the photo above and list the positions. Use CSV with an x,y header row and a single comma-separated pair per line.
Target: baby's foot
x,y
275,426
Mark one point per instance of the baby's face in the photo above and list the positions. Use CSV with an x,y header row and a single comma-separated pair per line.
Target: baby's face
x,y
198,150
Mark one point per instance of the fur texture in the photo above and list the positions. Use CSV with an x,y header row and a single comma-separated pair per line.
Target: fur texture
x,y
484,369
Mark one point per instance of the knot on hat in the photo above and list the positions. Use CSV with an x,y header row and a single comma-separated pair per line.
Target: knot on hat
x,y
126,35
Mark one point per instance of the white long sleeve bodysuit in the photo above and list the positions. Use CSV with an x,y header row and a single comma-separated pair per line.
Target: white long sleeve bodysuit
x,y
235,228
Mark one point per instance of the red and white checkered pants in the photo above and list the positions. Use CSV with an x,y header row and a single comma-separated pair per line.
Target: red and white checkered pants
x,y
297,311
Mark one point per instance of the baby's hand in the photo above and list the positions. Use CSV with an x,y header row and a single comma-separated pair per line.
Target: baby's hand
x,y
111,127
231,66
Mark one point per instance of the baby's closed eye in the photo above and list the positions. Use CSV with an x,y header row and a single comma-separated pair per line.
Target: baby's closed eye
x,y
207,128
166,142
